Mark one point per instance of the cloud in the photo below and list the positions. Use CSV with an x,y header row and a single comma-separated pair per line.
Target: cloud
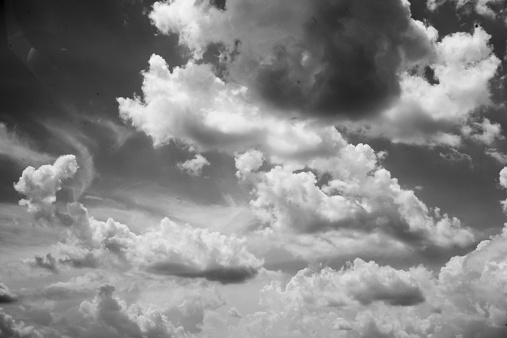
x,y
500,157
16,149
332,57
248,161
11,328
194,166
110,317
492,9
79,143
361,283
445,112
6,296
41,185
166,249
348,191
455,156
364,299
192,105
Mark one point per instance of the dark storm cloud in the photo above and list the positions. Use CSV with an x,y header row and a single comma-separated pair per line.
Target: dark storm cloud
x,y
361,46
224,275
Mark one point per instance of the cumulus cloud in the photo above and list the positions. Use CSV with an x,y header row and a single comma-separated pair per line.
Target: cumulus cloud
x,y
248,161
41,185
6,296
332,57
443,113
191,104
500,157
194,166
165,249
110,317
503,184
11,328
361,283
349,191
492,9
367,300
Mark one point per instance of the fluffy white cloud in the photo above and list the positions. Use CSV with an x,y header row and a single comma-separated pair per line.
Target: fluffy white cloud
x,y
193,105
248,161
368,300
361,283
285,61
165,249
443,112
41,185
350,191
194,166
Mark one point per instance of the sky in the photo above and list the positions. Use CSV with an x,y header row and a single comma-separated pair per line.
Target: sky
x,y
253,168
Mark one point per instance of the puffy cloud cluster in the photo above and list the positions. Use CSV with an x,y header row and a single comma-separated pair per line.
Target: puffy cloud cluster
x,y
10,328
110,317
350,191
331,57
41,185
194,166
314,180
192,105
361,283
368,300
167,248
344,58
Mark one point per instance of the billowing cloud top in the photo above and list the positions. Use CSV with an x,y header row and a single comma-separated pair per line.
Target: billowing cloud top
x,y
41,185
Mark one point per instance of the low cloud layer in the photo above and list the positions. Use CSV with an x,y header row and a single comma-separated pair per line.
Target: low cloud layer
x,y
166,249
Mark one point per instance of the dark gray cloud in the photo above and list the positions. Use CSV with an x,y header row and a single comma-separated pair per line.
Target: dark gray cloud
x,y
359,46
224,275
6,296
47,262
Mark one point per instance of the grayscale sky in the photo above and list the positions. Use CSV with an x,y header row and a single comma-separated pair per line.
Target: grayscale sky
x,y
253,168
